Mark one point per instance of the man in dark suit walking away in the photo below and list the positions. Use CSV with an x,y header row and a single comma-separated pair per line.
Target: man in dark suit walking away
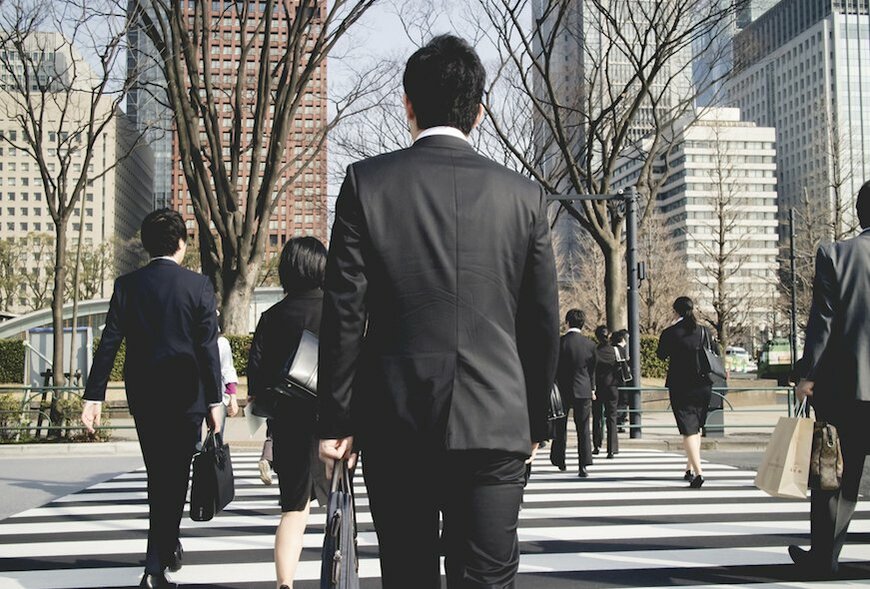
x,y
837,363
576,380
172,376
439,339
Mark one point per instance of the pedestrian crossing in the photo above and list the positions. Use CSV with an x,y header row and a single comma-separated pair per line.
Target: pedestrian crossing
x,y
632,523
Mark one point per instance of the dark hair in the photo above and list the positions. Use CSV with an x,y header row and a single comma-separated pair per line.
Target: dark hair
x,y
685,308
575,318
862,205
444,81
302,264
619,336
602,334
161,230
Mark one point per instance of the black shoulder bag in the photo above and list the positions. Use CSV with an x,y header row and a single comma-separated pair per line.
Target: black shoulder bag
x,y
710,364
297,385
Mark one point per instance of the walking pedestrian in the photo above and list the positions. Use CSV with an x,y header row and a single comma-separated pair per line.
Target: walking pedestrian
x,y
440,335
606,393
836,380
576,379
294,445
172,376
688,389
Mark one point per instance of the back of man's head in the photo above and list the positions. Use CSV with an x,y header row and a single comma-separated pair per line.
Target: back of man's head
x,y
444,81
161,230
575,318
862,203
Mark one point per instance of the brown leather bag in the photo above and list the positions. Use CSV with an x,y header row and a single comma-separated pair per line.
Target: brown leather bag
x,y
826,458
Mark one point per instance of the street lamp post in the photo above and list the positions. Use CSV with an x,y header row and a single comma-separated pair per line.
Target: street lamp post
x,y
629,197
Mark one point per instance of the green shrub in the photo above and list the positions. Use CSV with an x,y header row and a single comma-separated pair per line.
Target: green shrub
x,y
650,365
241,346
10,416
11,361
117,373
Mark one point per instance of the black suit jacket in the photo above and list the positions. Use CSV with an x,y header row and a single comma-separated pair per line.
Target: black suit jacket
x,y
606,382
837,349
681,346
277,336
576,374
440,319
167,315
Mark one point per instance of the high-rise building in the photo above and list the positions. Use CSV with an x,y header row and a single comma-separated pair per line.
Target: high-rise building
x,y
117,192
719,207
803,67
301,208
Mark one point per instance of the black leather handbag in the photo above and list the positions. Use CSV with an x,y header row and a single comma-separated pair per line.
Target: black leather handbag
x,y
622,368
340,562
826,458
213,486
298,382
710,365
557,409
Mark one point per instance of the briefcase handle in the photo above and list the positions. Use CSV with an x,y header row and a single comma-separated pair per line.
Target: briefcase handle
x,y
340,477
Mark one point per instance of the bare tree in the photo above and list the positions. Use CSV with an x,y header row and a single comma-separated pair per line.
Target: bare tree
x,y
248,124
96,267
39,275
11,278
666,276
580,271
62,88
597,77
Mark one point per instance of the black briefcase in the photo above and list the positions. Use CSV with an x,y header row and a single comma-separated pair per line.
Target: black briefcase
x,y
340,564
213,487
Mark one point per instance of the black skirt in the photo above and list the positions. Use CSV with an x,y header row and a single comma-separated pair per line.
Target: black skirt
x,y
690,408
301,474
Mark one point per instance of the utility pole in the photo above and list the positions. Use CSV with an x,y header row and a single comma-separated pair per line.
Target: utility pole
x,y
793,267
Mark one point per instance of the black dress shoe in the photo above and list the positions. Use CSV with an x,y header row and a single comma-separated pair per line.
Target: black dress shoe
x,y
582,474
560,464
174,564
804,559
697,481
156,581
610,455
688,476
595,451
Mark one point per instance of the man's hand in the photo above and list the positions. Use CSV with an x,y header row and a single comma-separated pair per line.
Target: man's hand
x,y
535,446
91,415
593,396
337,449
233,408
214,417
804,390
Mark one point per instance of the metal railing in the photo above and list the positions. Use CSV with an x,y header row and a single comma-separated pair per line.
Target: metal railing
x,y
42,413
721,414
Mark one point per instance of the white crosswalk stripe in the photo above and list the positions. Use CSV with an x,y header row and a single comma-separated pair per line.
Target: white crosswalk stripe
x,y
633,523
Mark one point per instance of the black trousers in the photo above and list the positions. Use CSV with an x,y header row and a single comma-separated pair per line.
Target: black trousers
x,y
167,443
832,511
478,495
582,410
604,413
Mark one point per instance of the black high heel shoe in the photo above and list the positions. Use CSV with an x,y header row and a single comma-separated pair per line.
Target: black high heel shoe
x,y
697,481
688,476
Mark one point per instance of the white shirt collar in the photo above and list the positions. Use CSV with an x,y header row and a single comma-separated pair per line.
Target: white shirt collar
x,y
170,258
574,330
441,130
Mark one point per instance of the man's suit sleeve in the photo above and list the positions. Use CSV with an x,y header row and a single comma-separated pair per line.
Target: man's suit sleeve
x,y
206,333
538,322
104,359
344,313
822,313
255,358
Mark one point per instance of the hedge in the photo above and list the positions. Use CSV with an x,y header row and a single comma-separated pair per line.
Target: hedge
x,y
11,361
239,344
650,365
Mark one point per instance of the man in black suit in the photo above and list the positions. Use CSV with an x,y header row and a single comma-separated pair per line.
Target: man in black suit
x,y
171,372
439,339
837,364
576,380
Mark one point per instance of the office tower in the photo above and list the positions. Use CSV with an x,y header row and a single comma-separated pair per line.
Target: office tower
x,y
803,67
719,207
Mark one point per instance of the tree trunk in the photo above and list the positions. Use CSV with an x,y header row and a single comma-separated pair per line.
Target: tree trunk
x,y
614,285
57,303
235,301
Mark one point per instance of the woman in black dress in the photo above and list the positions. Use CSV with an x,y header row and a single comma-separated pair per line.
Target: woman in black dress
x,y
301,476
689,391
606,394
